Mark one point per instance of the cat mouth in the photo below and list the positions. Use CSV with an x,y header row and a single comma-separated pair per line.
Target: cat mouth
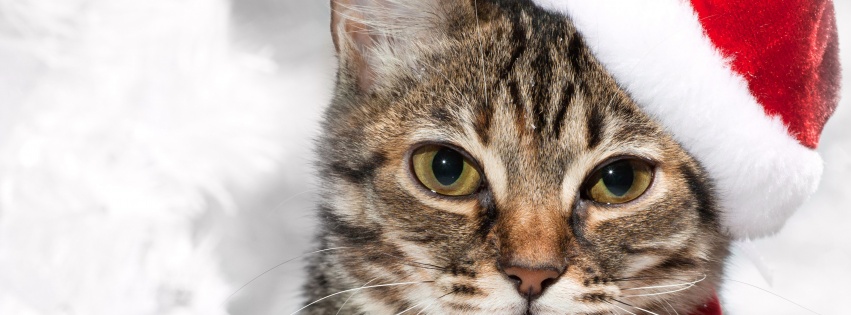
x,y
529,303
529,311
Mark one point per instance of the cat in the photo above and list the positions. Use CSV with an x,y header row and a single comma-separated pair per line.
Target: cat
x,y
478,159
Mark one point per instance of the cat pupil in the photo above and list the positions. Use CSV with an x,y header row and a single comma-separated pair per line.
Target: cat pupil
x,y
618,178
447,166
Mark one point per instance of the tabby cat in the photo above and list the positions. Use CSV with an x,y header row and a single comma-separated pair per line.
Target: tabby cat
x,y
478,159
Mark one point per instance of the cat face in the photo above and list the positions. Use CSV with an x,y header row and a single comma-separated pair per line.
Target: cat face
x,y
477,159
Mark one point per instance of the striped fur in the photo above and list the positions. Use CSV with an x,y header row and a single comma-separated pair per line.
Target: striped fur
x,y
516,88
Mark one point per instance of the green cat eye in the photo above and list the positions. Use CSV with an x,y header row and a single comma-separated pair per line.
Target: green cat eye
x,y
620,181
445,171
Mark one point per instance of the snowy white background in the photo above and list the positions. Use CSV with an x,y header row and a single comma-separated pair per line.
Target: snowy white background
x,y
155,157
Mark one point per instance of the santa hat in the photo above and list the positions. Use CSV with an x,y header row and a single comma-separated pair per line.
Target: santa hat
x,y
745,86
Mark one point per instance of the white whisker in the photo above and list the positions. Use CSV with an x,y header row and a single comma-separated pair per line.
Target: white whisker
x,y
772,293
660,293
426,307
672,307
353,294
621,308
636,307
410,308
645,310
278,206
668,285
357,289
276,266
432,302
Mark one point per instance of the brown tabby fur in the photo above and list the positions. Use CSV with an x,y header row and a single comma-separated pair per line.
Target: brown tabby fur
x,y
516,88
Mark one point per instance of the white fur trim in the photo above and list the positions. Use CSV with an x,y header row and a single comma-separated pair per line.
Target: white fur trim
x,y
657,51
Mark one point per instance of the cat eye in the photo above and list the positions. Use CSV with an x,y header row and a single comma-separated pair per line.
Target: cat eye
x,y
445,171
618,182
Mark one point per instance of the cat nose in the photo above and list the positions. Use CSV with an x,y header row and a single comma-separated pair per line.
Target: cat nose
x,y
531,282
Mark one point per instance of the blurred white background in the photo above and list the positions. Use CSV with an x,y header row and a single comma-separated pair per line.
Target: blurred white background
x,y
155,156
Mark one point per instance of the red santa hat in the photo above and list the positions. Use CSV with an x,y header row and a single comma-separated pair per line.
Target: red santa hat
x,y
745,86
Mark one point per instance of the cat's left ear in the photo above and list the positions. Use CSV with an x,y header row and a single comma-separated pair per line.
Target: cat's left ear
x,y
375,37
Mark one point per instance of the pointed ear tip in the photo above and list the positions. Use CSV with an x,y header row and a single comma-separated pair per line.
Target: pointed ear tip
x,y
338,16
351,41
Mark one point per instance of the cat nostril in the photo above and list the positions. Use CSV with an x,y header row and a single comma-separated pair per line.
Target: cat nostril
x,y
515,279
531,282
547,283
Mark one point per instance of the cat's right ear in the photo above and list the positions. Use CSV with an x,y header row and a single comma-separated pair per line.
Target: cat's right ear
x,y
375,37
353,40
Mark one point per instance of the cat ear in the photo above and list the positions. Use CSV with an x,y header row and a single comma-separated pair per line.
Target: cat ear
x,y
352,39
374,37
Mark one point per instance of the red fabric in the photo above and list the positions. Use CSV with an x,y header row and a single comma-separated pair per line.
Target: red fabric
x,y
788,53
713,307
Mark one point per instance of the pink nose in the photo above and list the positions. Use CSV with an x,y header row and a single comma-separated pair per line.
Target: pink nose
x,y
531,281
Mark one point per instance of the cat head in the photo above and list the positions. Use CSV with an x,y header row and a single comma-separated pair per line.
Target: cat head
x,y
478,159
